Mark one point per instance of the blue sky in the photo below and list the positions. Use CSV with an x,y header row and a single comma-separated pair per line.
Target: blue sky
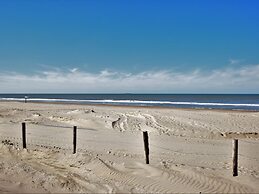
x,y
127,38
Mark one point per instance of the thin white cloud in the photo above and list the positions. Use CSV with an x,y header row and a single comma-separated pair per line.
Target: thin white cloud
x,y
234,61
73,70
239,80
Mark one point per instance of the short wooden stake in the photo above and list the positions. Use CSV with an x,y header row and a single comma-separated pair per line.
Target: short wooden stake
x,y
145,138
74,139
235,157
23,135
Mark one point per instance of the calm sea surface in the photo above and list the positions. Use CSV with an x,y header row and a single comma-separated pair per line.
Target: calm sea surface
x,y
208,101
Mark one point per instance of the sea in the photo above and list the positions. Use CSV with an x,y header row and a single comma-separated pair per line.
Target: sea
x,y
195,101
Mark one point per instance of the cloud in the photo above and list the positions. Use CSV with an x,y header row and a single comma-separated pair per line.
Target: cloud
x,y
73,70
239,80
234,61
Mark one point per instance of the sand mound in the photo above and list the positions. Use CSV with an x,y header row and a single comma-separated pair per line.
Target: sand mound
x,y
56,171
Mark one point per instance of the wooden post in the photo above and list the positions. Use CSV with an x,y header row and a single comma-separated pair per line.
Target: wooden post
x,y
23,135
74,139
235,157
145,138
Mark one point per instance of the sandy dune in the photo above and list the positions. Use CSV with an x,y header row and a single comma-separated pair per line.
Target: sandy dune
x,y
190,150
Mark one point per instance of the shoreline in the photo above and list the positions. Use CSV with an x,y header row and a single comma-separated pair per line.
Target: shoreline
x,y
137,106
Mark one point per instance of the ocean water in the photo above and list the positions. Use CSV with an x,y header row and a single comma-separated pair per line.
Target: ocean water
x,y
206,101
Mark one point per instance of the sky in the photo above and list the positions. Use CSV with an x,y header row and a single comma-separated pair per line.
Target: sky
x,y
147,46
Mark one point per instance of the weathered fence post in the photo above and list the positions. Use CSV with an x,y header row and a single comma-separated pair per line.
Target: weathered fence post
x,y
235,157
23,135
74,139
145,138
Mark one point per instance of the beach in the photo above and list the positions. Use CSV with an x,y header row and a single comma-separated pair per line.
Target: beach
x,y
190,149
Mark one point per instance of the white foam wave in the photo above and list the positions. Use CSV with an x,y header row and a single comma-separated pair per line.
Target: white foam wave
x,y
130,102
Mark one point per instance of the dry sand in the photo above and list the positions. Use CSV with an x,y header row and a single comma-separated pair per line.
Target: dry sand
x,y
190,150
